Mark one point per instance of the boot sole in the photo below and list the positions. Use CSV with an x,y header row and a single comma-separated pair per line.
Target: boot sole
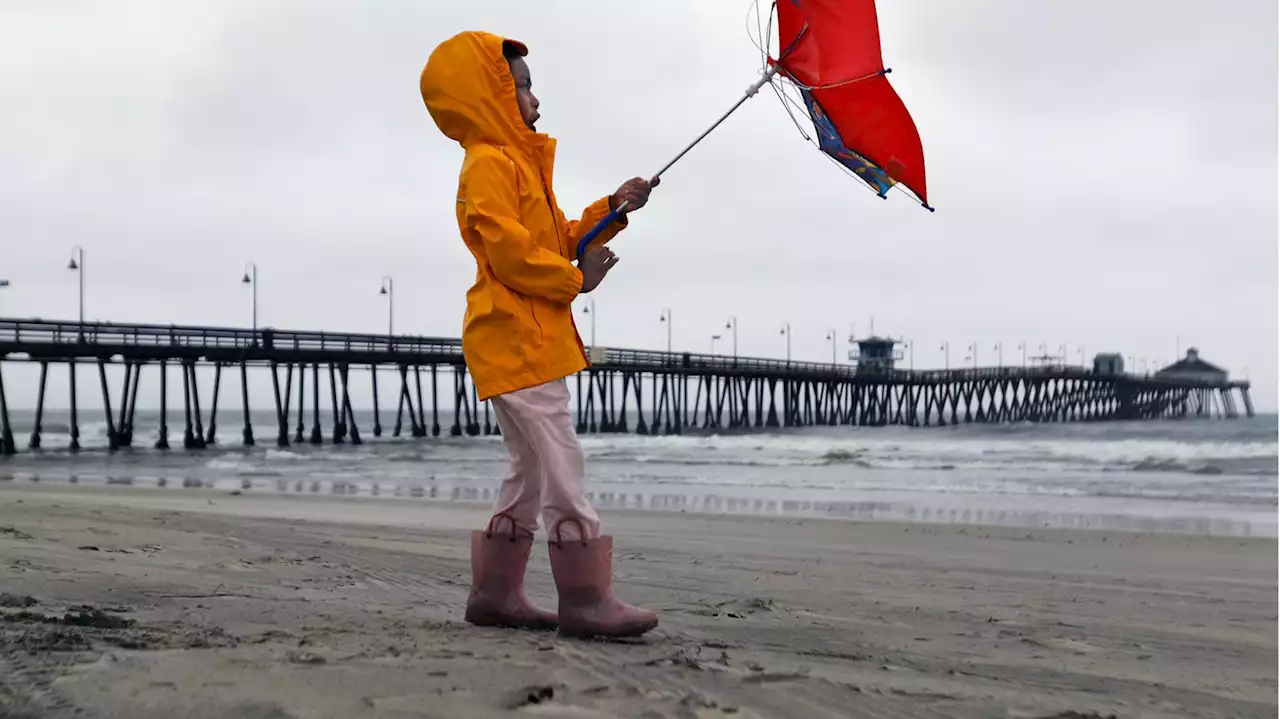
x,y
586,633
486,619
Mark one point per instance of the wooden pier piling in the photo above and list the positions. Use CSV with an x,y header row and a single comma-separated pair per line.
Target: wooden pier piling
x,y
685,392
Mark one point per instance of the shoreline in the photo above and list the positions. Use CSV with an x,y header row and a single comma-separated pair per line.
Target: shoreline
x,y
471,514
207,604
904,507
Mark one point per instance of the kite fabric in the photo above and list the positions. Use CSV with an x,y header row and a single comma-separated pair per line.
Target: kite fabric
x,y
830,50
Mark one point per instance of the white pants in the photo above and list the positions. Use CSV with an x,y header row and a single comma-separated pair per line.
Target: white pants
x,y
548,468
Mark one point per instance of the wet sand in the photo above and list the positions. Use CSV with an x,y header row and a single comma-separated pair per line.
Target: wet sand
x,y
189,603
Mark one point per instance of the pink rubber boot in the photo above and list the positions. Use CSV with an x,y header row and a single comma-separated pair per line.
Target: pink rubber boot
x,y
583,570
498,564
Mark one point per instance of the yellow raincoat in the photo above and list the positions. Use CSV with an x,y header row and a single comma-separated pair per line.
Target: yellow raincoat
x,y
518,330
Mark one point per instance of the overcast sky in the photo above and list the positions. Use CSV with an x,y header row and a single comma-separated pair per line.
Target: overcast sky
x,y
1104,172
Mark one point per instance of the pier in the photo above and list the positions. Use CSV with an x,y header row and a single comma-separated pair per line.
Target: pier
x,y
647,392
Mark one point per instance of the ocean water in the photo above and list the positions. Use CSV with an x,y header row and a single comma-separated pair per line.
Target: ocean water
x,y
1214,477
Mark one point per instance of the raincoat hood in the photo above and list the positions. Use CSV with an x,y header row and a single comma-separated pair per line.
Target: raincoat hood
x,y
518,330
468,89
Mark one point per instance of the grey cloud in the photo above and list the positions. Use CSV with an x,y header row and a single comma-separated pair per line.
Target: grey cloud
x,y
1105,172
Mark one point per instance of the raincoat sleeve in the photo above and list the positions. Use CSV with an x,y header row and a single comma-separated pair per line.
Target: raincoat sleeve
x,y
595,212
492,213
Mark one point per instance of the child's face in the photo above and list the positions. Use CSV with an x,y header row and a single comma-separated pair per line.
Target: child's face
x,y
524,93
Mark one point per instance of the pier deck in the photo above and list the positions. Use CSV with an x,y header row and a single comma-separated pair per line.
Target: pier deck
x,y
686,392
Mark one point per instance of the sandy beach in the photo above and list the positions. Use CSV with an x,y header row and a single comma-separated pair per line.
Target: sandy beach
x,y
125,602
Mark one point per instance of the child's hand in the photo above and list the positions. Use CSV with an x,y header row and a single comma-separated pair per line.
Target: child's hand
x,y
594,265
634,192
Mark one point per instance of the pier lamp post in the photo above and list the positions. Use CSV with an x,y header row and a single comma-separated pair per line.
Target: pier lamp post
x,y
590,309
1082,363
76,264
665,319
946,355
1062,354
389,289
251,278
786,330
1022,347
973,353
732,324
999,348
831,335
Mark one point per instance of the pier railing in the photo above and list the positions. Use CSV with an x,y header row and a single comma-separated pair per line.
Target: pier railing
x,y
51,338
669,392
91,336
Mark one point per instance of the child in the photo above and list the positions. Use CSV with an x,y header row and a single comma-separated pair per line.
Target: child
x,y
520,341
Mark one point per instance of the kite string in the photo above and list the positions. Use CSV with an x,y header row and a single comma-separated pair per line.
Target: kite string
x,y
759,37
764,61
786,103
842,83
768,32
762,41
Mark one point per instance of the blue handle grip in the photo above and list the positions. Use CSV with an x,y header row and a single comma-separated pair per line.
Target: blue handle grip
x,y
594,232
